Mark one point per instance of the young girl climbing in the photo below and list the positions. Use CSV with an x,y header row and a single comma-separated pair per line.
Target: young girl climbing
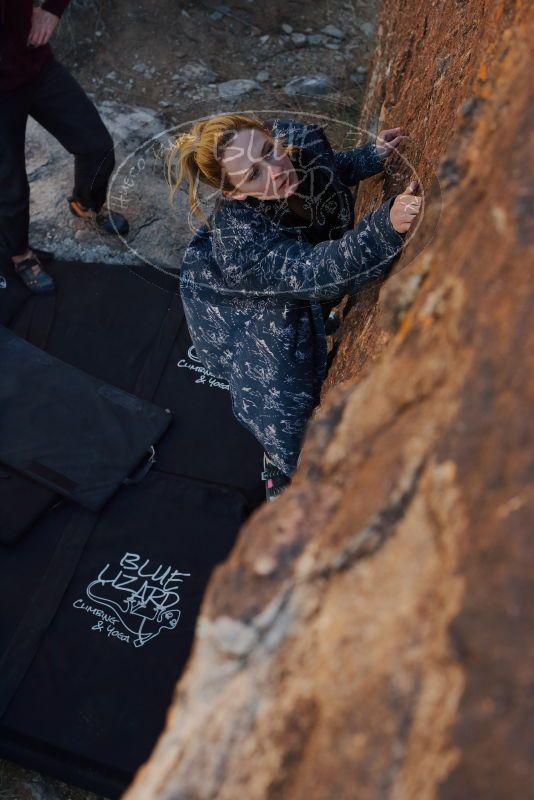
x,y
277,252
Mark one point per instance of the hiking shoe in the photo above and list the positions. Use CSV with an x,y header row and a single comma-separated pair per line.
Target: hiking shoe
x,y
33,276
105,220
275,479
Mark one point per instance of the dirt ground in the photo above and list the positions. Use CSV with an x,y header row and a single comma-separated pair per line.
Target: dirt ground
x,y
146,52
176,58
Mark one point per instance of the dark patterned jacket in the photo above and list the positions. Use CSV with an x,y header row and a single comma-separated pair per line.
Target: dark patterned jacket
x,y
252,286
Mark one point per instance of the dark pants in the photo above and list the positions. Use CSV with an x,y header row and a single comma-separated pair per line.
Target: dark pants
x,y
326,307
60,105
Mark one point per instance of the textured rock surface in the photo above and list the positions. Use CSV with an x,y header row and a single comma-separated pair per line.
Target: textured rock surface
x,y
368,636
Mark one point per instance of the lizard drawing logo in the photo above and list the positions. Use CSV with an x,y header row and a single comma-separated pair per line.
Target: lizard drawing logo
x,y
142,599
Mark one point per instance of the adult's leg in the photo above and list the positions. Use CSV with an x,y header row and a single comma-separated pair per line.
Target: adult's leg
x,y
14,189
61,106
15,192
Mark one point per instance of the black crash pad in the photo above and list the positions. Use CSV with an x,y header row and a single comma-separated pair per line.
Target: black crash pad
x,y
98,608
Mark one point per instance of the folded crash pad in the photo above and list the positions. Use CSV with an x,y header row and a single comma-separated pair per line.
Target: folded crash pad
x,y
74,433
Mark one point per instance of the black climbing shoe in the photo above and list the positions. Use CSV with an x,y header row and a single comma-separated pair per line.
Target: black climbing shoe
x,y
105,220
332,323
33,276
275,480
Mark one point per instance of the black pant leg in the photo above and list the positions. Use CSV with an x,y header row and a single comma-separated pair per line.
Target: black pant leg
x,y
14,189
61,106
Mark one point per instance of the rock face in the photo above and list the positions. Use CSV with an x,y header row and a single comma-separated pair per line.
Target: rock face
x,y
369,635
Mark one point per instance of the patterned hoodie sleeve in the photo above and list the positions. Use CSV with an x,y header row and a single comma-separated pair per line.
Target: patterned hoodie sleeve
x,y
357,164
352,165
257,258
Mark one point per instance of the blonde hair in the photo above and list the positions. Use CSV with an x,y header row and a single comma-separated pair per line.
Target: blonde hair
x,y
197,155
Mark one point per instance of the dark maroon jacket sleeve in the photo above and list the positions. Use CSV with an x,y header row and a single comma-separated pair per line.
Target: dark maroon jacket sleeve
x,y
56,7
